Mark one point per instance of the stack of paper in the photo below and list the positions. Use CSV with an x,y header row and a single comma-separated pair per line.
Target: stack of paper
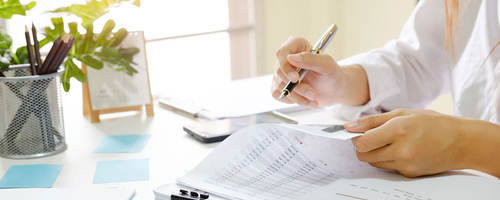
x,y
301,162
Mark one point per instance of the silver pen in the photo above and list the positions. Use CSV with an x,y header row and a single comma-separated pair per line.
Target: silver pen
x,y
317,49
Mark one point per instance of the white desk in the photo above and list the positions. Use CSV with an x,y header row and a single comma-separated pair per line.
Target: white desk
x,y
171,152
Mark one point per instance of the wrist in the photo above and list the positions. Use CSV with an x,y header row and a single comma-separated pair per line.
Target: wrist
x,y
353,88
479,145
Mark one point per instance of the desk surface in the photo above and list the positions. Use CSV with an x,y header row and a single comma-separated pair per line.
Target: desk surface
x,y
171,152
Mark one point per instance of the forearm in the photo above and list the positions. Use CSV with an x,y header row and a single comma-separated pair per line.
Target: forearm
x,y
355,89
481,146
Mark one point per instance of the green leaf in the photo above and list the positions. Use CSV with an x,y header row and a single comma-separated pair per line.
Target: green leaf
x,y
22,55
118,37
5,59
92,62
53,34
129,53
117,60
106,31
71,70
88,40
5,42
73,28
14,7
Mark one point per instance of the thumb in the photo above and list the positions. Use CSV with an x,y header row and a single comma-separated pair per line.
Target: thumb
x,y
321,63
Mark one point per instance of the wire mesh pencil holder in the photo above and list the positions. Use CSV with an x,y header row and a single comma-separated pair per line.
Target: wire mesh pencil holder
x,y
31,117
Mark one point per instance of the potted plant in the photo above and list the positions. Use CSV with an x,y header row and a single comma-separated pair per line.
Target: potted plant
x,y
44,134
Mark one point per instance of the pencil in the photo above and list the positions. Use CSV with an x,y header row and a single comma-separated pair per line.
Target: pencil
x,y
66,47
57,56
37,48
31,57
51,55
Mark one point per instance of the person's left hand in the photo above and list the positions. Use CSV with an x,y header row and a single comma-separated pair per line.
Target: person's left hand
x,y
411,142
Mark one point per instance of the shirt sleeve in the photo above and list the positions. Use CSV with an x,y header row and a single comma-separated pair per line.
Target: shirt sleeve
x,y
408,72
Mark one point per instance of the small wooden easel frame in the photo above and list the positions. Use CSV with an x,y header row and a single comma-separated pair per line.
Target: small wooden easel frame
x,y
94,115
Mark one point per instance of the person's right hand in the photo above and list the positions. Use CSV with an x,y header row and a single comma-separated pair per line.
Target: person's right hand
x,y
321,86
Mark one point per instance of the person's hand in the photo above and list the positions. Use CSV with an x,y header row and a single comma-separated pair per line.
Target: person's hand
x,y
322,84
411,142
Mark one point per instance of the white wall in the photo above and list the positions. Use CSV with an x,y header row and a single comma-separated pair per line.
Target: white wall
x,y
363,25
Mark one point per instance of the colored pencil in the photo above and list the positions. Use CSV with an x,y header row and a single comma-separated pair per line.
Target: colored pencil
x,y
50,56
66,47
31,57
37,48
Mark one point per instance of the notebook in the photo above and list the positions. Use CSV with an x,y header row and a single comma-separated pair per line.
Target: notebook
x,y
281,161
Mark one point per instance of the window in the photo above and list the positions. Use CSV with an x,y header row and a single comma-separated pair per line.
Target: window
x,y
195,43
188,43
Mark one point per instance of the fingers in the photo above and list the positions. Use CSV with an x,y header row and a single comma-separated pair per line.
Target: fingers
x,y
373,121
321,63
378,155
302,94
375,138
306,91
291,46
276,90
299,99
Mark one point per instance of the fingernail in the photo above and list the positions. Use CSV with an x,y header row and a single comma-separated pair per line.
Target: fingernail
x,y
295,58
351,125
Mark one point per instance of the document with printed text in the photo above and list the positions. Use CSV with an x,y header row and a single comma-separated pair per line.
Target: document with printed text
x,y
275,161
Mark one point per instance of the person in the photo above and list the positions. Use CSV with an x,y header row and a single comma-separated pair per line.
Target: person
x,y
445,46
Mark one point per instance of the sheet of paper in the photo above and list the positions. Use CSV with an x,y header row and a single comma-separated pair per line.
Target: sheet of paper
x,y
113,171
30,176
94,193
286,162
122,143
239,98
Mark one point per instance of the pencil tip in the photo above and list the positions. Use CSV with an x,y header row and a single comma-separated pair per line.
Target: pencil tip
x,y
66,38
26,28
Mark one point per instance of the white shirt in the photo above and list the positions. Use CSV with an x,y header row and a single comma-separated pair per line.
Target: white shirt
x,y
413,70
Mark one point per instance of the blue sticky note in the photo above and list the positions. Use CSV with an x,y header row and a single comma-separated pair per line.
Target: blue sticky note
x,y
113,171
123,144
30,176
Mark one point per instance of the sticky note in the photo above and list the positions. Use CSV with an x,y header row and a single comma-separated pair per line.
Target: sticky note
x,y
113,171
123,143
30,176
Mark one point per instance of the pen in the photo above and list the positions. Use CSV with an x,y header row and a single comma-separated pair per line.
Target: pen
x,y
318,48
